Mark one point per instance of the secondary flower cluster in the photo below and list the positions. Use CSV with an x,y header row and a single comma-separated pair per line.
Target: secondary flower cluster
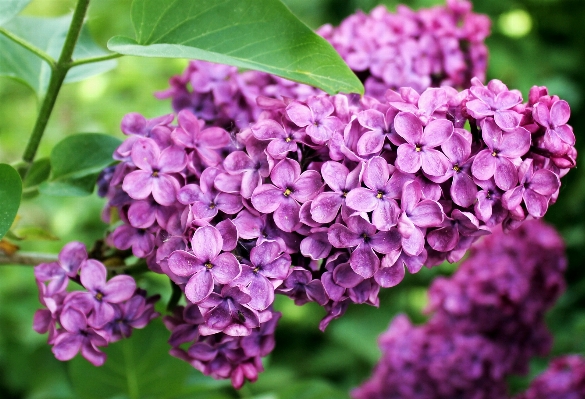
x,y
488,322
427,48
564,378
439,46
220,355
106,311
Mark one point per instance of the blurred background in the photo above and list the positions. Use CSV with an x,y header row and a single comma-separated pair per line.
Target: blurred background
x,y
533,42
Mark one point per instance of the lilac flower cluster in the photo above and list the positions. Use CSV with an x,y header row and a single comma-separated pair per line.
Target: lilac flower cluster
x,y
439,46
488,322
564,379
427,48
220,355
81,321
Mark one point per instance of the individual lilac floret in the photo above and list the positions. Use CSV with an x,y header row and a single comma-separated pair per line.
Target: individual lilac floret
x,y
251,165
380,126
315,117
495,101
418,151
228,312
204,266
554,120
325,207
379,195
155,172
564,379
282,139
290,188
503,149
58,273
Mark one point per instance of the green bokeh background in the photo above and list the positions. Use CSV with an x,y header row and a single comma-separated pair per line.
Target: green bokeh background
x,y
533,42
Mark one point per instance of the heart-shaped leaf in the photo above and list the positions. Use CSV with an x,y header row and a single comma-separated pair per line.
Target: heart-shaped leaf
x,y
141,367
76,161
255,34
48,34
10,193
10,8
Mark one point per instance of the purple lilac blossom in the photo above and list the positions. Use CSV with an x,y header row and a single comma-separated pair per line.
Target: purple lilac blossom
x,y
487,323
564,378
82,321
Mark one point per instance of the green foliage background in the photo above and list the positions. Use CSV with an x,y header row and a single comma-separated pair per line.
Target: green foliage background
x,y
306,362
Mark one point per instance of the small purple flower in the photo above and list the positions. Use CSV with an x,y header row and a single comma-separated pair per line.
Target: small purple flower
x,y
379,127
316,117
495,100
535,189
362,237
283,138
252,165
503,149
205,266
489,208
290,188
58,273
554,120
78,336
378,197
301,287
155,173
140,240
229,313
416,215
463,189
418,152
337,176
446,237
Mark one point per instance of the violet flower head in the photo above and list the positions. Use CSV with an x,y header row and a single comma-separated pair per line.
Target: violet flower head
x,y
325,207
554,120
495,101
315,117
564,378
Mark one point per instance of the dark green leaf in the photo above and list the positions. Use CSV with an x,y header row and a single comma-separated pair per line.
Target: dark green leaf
x,y
10,193
140,367
256,34
76,163
48,34
38,173
10,8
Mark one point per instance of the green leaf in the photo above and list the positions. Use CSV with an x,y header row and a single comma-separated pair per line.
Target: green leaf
x,y
10,9
140,367
255,34
48,34
38,173
10,193
76,162
33,233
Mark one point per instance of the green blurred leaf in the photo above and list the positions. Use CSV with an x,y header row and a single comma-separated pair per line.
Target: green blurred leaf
x,y
38,173
140,367
33,233
48,34
315,389
10,193
10,8
76,163
256,34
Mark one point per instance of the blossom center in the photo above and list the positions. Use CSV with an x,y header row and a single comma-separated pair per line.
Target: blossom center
x,y
99,296
379,195
417,148
344,193
494,153
209,266
288,139
287,192
155,173
212,205
456,168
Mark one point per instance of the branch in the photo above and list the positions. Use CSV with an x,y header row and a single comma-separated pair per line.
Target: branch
x,y
27,258
90,60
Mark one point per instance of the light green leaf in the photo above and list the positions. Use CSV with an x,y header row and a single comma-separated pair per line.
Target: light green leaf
x,y
76,162
10,193
255,34
141,367
10,9
33,233
38,173
48,34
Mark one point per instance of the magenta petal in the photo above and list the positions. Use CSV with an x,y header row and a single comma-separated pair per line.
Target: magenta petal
x,y
172,160
443,239
325,207
262,293
376,173
250,181
463,190
307,186
371,118
335,175
183,263
141,214
199,286
267,198
285,173
344,276
565,132
478,109
457,148
66,346
145,154
434,162
94,356
268,129
536,204
385,216
427,213
408,159
513,198
237,162
287,216
316,246
560,113
515,143
341,237
73,320
138,184
102,314
436,133
228,203
385,242
362,199
225,268
119,289
279,148
414,244
409,127
206,243
484,165
370,142
506,175
71,257
300,114
364,261
164,189
93,275
229,234
544,182
507,120
333,291
390,276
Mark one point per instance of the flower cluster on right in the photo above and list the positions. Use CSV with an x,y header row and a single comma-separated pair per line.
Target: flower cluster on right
x,y
487,323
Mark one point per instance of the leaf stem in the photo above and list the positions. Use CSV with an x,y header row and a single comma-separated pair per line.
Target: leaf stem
x,y
90,60
29,46
57,77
